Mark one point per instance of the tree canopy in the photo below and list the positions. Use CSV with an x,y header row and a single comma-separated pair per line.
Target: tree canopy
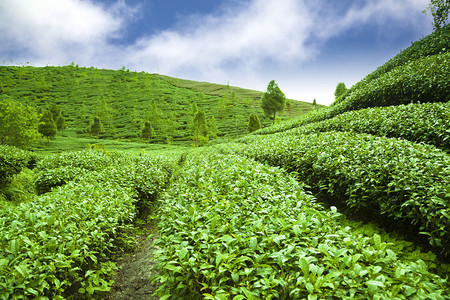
x,y
18,124
273,100
341,89
47,126
253,123
439,10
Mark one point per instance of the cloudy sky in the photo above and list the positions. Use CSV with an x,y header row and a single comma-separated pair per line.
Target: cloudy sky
x,y
307,46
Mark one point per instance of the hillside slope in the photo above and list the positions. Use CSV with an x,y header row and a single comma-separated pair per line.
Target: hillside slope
x,y
124,100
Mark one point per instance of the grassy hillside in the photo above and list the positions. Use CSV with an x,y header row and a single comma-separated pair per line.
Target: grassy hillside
x,y
125,100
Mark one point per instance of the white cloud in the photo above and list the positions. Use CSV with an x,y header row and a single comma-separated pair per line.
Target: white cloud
x,y
243,36
56,30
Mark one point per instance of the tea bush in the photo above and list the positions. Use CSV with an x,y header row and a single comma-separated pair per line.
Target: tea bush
x,y
59,243
418,122
435,43
423,80
232,228
393,178
12,161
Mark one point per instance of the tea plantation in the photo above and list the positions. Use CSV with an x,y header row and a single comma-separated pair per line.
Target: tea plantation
x,y
351,201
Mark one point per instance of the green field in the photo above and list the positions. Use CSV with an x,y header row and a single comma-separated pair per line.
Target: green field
x,y
350,201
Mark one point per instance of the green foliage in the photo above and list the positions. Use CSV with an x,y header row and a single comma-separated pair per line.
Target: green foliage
x,y
47,126
58,243
20,188
418,122
273,100
56,111
61,123
147,132
200,130
439,10
96,126
235,229
125,100
432,44
13,161
341,89
388,179
422,80
253,123
18,124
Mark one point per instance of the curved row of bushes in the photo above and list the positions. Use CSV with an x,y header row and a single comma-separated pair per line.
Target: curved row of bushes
x,y
435,43
397,179
58,243
417,122
424,80
232,228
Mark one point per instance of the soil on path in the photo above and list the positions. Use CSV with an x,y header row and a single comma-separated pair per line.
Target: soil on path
x,y
132,280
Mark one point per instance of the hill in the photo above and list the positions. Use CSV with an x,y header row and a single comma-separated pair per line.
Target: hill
x,y
124,100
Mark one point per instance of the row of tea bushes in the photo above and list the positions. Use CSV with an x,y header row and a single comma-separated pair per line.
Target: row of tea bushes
x,y
423,80
418,122
435,43
58,244
388,178
232,228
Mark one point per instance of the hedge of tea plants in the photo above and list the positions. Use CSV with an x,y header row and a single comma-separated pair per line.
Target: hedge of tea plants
x,y
435,43
418,122
423,80
391,178
58,244
232,228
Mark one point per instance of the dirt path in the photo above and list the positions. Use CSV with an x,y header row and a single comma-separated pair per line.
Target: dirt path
x,y
132,280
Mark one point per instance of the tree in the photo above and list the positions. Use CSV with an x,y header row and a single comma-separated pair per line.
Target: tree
x,y
56,111
253,123
200,129
61,124
273,100
314,104
212,127
96,127
341,89
147,132
18,124
47,126
439,10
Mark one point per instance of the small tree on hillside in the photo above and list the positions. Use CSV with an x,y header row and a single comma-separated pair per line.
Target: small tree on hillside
x,y
341,89
47,126
314,104
253,123
61,124
200,129
212,128
96,127
273,100
56,111
147,132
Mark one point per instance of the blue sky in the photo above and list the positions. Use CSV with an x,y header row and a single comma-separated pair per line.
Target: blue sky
x,y
307,46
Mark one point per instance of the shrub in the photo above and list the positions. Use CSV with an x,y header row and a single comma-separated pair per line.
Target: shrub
x,y
12,161
427,123
388,178
235,229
